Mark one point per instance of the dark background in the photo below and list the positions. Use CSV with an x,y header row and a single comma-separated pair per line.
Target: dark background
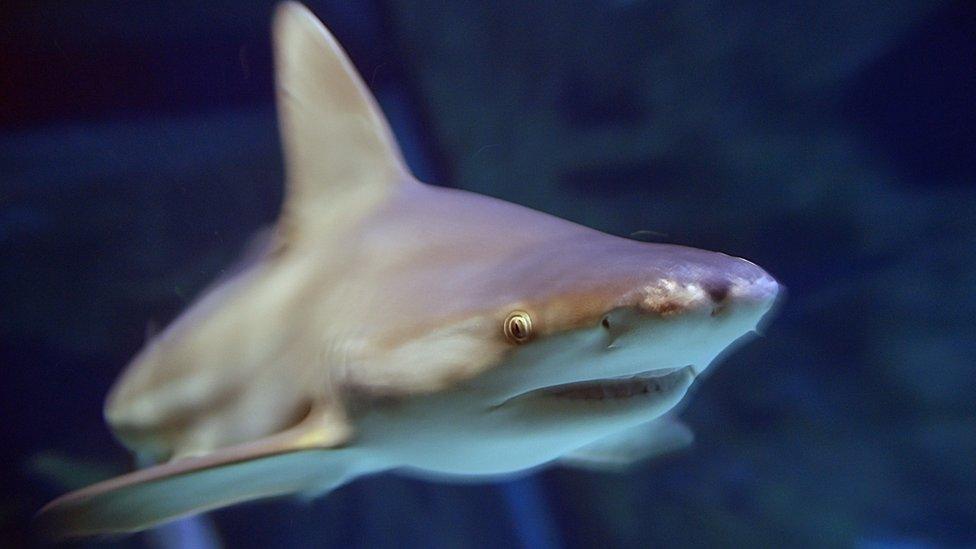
x,y
831,142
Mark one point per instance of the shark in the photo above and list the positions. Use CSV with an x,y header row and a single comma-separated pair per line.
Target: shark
x,y
383,324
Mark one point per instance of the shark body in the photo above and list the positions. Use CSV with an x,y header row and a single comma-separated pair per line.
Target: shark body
x,y
387,324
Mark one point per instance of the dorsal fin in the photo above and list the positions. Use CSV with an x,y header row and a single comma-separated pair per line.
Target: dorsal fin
x,y
341,158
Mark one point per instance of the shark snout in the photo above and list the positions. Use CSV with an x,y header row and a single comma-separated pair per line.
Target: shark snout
x,y
732,283
756,285
690,314
741,295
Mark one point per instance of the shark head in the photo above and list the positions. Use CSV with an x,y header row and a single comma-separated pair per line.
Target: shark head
x,y
563,305
563,339
478,293
386,323
648,314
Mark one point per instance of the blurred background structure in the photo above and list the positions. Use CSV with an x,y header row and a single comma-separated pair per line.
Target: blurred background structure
x,y
831,142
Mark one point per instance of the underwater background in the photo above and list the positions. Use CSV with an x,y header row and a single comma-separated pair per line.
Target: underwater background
x,y
830,142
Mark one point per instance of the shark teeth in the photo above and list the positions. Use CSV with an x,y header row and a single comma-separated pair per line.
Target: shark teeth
x,y
612,388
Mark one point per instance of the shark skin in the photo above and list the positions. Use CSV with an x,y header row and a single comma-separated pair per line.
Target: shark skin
x,y
391,325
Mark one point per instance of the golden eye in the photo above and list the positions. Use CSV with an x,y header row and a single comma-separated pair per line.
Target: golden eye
x,y
518,327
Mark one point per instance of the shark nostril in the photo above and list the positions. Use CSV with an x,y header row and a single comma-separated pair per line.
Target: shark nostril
x,y
717,290
606,322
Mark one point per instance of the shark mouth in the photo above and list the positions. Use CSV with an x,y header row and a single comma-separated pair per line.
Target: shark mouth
x,y
618,387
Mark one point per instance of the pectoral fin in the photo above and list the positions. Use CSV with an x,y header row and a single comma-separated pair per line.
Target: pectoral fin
x,y
289,462
620,450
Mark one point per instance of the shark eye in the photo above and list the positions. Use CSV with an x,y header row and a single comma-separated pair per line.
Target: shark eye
x,y
517,326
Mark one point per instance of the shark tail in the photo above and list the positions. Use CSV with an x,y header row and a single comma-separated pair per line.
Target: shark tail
x,y
159,494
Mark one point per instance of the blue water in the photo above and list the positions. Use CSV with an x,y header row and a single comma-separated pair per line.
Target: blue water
x,y
831,142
